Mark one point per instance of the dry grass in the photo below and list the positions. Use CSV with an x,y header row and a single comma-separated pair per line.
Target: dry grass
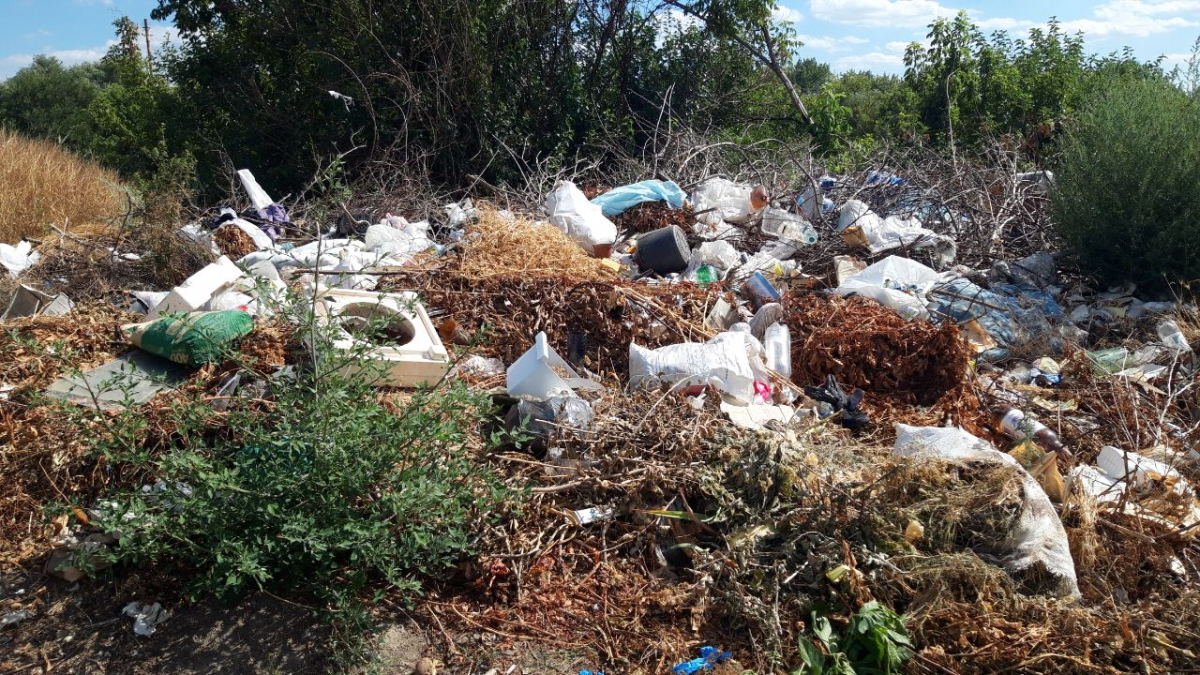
x,y
41,183
504,246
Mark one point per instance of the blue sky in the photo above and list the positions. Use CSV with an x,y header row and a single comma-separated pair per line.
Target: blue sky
x,y
849,34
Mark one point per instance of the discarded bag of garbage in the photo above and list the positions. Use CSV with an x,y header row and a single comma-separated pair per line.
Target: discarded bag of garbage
x,y
1038,538
860,226
619,200
570,211
895,282
193,339
718,199
732,361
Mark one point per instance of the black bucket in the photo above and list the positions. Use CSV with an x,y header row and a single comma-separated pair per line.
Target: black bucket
x,y
664,251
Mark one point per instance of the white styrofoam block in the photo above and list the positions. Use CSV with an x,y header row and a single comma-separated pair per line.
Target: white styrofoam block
x,y
421,360
199,288
258,196
1141,468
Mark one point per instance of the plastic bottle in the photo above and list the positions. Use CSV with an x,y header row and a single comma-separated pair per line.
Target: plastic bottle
x,y
758,198
778,342
705,274
785,225
1172,337
1015,424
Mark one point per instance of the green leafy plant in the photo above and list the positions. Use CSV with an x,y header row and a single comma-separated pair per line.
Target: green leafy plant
x,y
874,642
1126,196
325,487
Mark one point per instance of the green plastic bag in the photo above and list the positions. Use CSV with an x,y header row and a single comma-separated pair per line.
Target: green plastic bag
x,y
191,339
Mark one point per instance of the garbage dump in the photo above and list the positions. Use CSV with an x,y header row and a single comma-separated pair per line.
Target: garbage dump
x,y
707,397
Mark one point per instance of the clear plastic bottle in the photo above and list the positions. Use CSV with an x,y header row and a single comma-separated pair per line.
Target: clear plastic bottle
x,y
1172,337
786,225
1015,424
778,342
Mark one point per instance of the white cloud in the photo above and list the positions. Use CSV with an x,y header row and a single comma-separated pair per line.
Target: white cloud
x,y
1136,18
881,13
785,14
829,43
1003,23
10,64
876,61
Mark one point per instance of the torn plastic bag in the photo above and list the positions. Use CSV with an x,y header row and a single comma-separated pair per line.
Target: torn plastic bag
x,y
859,225
719,254
1038,537
557,414
733,362
728,201
17,259
619,200
898,283
1009,320
570,211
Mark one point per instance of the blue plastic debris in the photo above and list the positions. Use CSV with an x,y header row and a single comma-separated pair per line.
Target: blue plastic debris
x,y
588,672
619,200
709,656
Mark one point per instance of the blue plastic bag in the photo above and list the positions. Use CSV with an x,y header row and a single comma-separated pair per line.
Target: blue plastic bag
x,y
619,200
709,656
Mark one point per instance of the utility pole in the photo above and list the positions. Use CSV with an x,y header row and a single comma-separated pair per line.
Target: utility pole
x,y
146,26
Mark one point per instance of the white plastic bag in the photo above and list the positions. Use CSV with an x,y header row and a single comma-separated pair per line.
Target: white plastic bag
x,y
570,211
17,259
732,361
720,254
1038,536
731,201
898,283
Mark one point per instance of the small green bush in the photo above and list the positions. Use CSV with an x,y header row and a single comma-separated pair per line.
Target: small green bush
x,y
324,488
1128,194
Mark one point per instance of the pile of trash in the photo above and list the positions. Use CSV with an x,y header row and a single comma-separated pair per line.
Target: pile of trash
x,y
721,412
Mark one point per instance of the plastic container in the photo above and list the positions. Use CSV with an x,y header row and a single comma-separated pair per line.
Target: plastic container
x,y
705,274
778,343
1172,337
786,225
664,251
760,290
1017,426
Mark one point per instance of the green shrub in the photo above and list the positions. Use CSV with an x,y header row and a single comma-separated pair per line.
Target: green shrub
x,y
1127,198
323,488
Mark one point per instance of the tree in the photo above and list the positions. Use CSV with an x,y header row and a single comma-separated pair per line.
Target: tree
x,y
809,75
47,100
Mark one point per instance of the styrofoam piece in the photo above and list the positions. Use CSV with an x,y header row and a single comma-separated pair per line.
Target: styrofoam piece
x,y
536,373
199,288
258,196
1098,484
29,301
423,359
1142,469
151,299
260,238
